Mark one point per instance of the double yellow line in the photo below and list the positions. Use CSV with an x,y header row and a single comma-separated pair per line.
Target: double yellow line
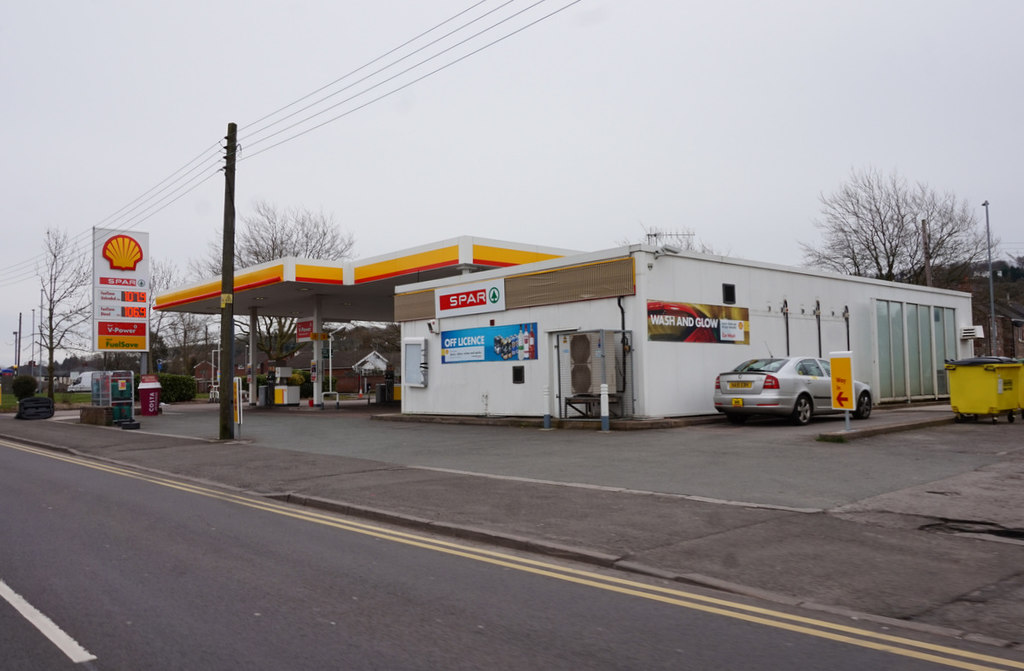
x,y
896,645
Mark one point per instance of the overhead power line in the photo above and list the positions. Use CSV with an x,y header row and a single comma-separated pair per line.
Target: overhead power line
x,y
405,71
362,67
130,216
207,163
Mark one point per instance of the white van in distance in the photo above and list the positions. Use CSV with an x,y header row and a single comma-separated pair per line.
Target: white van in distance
x,y
83,381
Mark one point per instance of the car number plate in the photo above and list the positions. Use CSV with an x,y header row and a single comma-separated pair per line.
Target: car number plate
x,y
737,403
740,385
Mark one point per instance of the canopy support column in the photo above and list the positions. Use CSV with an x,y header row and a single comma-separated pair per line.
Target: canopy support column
x,y
318,361
253,391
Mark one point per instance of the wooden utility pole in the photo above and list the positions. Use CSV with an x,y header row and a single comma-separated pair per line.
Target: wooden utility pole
x,y
227,290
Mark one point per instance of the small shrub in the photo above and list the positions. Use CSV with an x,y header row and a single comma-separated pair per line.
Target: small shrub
x,y
24,386
300,379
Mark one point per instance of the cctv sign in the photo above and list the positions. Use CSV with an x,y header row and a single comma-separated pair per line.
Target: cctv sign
x,y
470,299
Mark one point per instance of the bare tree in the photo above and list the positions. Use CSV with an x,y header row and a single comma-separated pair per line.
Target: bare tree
x,y
185,334
65,275
365,336
872,227
270,233
955,240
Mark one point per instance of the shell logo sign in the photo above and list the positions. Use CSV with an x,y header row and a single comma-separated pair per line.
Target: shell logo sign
x,y
123,252
121,296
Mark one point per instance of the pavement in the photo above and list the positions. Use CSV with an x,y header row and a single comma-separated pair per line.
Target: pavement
x,y
908,519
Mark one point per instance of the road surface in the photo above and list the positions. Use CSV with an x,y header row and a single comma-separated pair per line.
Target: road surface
x,y
103,567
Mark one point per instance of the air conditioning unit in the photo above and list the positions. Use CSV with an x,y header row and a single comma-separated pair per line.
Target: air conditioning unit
x,y
591,363
971,332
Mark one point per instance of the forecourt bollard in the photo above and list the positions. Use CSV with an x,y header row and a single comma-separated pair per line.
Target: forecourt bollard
x,y
604,407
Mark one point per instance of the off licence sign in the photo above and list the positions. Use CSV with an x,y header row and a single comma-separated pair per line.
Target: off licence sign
x,y
841,364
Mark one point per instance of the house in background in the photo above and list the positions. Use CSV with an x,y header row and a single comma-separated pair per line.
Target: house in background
x,y
371,369
356,372
1010,322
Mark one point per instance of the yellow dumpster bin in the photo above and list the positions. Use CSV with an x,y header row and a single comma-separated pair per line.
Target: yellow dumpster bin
x,y
984,386
1020,387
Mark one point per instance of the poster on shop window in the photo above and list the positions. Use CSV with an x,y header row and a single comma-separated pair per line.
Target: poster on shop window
x,y
693,322
511,342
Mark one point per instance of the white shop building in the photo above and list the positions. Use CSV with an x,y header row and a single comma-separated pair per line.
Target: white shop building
x,y
498,328
657,326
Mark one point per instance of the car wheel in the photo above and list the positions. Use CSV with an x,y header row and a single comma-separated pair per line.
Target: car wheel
x,y
802,410
736,419
863,410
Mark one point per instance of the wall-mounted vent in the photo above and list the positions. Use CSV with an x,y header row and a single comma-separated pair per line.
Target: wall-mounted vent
x,y
971,332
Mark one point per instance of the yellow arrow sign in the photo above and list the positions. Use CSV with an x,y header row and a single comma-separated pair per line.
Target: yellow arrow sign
x,y
843,397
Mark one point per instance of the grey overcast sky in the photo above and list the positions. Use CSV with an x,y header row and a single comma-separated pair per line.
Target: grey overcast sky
x,y
606,119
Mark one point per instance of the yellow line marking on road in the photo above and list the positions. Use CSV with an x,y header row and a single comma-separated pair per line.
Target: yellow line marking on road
x,y
764,616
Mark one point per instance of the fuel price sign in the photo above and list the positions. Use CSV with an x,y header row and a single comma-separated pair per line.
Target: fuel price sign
x,y
120,290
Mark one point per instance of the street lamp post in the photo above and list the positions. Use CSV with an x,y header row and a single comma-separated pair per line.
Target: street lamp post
x,y
991,290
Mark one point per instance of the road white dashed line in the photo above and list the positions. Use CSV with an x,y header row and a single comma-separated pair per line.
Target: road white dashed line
x,y
67,645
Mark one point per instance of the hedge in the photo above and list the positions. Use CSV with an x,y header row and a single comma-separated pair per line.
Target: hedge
x,y
173,388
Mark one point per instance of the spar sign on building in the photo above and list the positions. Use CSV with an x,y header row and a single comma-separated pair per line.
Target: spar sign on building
x,y
470,299
121,295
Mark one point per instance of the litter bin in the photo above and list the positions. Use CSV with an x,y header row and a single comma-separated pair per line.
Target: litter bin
x,y
149,397
984,386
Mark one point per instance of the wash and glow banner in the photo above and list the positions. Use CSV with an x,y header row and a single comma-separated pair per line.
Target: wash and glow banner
x,y
694,322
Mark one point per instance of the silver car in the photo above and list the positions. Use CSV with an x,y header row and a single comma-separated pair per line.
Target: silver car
x,y
794,387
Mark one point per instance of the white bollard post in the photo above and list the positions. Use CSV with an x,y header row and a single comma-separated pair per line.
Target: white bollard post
x,y
547,407
604,407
